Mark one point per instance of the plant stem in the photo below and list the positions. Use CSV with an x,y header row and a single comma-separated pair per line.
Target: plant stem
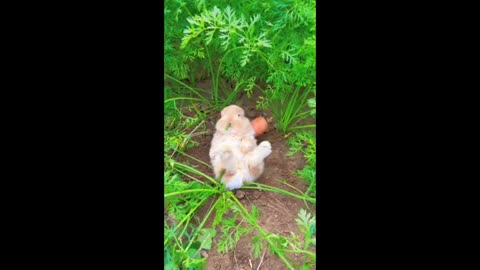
x,y
304,201
299,119
185,227
301,251
181,98
212,74
199,161
190,191
216,79
187,86
278,190
189,176
200,226
186,217
190,169
255,224
307,126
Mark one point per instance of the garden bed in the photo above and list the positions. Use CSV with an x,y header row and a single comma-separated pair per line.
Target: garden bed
x,y
259,55
277,212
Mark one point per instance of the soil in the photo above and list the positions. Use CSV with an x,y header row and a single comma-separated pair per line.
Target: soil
x,y
277,212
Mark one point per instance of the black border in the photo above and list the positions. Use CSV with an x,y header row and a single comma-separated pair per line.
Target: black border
x,y
88,82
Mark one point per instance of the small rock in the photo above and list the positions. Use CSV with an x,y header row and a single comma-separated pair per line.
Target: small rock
x,y
240,194
204,254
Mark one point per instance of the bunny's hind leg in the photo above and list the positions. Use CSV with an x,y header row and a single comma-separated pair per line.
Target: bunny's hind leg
x,y
223,161
233,181
255,160
259,153
217,166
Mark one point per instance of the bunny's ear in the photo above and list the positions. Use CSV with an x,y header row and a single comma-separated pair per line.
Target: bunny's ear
x,y
222,113
220,125
226,110
241,112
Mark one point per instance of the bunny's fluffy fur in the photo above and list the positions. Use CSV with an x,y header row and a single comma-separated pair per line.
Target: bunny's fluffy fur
x,y
234,149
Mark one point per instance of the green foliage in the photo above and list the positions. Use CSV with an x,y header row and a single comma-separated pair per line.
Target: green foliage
x,y
257,246
306,143
306,222
312,104
283,245
307,225
205,237
179,128
235,37
179,206
238,45
183,240
231,233
179,63
287,106
231,229
272,41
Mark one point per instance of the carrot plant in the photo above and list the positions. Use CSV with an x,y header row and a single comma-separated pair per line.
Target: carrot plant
x,y
225,37
183,240
240,46
305,142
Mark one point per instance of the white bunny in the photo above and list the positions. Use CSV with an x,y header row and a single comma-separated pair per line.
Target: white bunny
x,y
234,149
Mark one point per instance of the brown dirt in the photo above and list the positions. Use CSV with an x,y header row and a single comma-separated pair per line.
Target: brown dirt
x,y
277,212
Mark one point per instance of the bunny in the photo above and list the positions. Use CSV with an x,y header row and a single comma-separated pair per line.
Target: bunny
x,y
234,149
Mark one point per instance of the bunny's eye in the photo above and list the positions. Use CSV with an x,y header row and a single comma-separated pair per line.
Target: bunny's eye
x,y
238,115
